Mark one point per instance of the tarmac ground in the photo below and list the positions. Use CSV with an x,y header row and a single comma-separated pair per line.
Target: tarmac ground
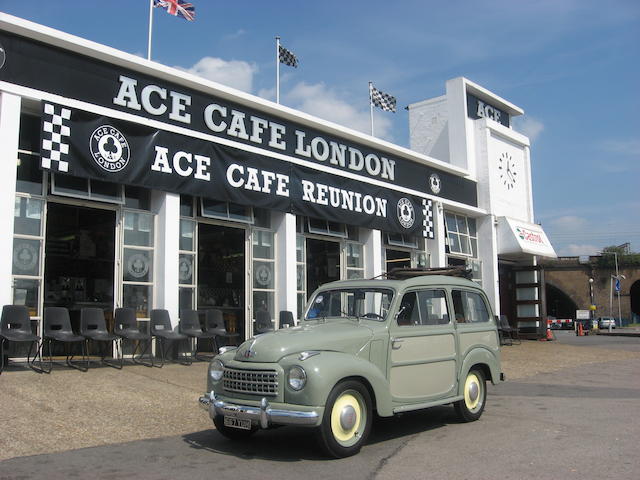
x,y
69,409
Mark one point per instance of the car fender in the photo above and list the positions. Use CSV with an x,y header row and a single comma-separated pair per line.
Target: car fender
x,y
480,356
325,369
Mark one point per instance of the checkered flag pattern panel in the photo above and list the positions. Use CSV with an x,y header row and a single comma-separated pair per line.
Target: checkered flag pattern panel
x,y
287,57
427,223
54,137
383,100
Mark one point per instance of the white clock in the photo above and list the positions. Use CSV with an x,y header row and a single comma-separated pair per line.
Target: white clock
x,y
508,170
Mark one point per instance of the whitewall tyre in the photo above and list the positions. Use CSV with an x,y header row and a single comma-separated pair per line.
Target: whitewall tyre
x,y
347,419
470,408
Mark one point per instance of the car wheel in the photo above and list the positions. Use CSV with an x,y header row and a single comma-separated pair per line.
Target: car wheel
x,y
347,419
470,408
230,432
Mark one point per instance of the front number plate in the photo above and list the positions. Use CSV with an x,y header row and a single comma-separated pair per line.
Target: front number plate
x,y
240,423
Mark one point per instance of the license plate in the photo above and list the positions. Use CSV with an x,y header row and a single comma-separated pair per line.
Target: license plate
x,y
240,423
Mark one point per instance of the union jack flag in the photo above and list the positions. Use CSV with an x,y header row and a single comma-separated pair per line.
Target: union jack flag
x,y
177,8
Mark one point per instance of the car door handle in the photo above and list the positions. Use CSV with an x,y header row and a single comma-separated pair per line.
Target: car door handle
x,y
395,343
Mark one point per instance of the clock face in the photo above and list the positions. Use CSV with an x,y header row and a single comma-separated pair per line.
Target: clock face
x,y
508,170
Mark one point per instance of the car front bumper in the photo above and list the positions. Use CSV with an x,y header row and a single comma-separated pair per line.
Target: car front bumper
x,y
263,415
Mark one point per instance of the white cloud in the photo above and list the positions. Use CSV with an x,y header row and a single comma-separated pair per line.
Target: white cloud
x,y
233,73
569,223
575,250
319,100
624,147
528,126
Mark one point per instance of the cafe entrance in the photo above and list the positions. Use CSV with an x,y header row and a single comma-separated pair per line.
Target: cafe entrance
x,y
222,273
323,263
79,266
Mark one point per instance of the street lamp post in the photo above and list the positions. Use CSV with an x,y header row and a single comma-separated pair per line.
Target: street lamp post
x,y
591,305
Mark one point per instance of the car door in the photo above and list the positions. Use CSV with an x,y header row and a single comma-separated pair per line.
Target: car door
x,y
422,348
474,321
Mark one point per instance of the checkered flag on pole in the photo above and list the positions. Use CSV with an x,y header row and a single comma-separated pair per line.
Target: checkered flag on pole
x,y
287,57
427,222
55,134
383,100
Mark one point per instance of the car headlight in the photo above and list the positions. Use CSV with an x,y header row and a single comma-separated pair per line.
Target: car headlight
x,y
216,369
297,378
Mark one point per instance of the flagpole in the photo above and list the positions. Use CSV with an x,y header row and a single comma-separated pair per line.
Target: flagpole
x,y
150,29
371,105
277,69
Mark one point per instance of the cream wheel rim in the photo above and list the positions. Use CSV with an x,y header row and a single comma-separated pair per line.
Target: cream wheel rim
x,y
347,418
473,392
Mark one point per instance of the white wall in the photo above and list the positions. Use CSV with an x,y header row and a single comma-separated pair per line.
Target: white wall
x,y
429,128
286,272
166,275
9,128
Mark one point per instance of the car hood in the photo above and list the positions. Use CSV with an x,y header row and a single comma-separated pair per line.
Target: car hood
x,y
347,336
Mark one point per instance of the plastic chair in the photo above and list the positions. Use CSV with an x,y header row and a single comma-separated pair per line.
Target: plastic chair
x,y
57,328
506,332
15,326
93,327
263,322
126,327
286,319
215,324
162,330
190,326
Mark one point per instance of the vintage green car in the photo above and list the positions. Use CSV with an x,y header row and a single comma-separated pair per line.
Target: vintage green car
x,y
363,347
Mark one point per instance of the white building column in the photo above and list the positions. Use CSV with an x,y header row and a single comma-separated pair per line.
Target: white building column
x,y
166,206
372,240
9,129
286,271
488,255
436,247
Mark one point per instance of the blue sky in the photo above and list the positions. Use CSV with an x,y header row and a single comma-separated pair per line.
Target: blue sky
x,y
572,65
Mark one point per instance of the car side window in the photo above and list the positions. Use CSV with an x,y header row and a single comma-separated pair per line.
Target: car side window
x,y
469,307
408,313
433,307
426,307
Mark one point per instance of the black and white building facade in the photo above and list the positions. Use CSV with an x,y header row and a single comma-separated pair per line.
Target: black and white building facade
x,y
130,184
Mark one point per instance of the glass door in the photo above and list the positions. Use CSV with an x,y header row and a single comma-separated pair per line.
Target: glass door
x,y
79,261
222,273
323,263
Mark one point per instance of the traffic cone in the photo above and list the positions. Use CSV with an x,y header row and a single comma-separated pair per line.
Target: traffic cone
x,y
580,331
549,335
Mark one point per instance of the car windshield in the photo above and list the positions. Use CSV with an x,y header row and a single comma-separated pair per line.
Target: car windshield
x,y
359,303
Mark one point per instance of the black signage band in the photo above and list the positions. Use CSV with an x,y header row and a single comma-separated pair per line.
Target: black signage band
x,y
83,144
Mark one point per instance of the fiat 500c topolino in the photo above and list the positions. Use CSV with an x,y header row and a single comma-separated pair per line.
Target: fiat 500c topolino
x,y
363,347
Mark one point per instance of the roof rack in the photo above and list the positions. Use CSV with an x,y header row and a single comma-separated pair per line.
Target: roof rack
x,y
404,273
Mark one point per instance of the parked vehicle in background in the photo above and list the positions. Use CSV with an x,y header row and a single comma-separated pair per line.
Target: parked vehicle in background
x,y
364,347
605,322
560,323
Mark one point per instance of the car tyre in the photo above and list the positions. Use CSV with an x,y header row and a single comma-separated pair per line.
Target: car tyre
x,y
230,432
347,419
470,408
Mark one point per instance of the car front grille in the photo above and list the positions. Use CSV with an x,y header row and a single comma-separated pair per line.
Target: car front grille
x,y
257,382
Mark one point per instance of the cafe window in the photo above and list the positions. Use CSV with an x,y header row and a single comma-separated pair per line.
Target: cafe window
x,y
264,272
355,260
137,261
462,236
76,187
301,282
325,227
226,211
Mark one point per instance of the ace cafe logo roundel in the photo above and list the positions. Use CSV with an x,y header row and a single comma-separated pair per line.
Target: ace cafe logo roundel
x,y
406,213
109,148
